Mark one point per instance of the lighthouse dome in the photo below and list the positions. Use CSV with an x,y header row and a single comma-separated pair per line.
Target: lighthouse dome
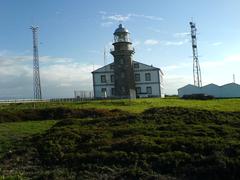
x,y
121,29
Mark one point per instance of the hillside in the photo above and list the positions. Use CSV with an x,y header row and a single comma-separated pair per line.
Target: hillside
x,y
158,143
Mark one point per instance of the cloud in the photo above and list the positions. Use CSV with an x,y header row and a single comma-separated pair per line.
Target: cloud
x,y
155,18
55,72
114,17
173,82
109,19
181,35
136,43
52,60
149,49
151,42
107,24
178,66
233,58
213,71
217,43
58,12
3,52
118,17
175,43
157,30
102,12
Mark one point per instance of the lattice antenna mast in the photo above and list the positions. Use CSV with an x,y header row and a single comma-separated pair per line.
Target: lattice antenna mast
x,y
197,77
234,79
36,74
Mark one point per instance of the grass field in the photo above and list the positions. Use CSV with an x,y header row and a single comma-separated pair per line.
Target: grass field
x,y
137,105
12,133
186,138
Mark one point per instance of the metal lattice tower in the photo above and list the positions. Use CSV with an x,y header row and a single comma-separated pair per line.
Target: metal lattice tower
x,y
197,77
36,75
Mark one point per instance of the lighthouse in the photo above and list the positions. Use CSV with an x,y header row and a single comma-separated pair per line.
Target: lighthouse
x,y
125,77
123,64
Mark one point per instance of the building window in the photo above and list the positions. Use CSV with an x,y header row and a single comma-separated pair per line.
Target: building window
x,y
137,77
111,66
147,77
103,79
113,91
136,65
149,90
112,78
138,90
123,89
104,90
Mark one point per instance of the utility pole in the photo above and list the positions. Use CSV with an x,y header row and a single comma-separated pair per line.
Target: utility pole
x,y
197,77
36,74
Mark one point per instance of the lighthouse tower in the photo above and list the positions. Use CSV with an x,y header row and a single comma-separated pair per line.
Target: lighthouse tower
x,y
123,64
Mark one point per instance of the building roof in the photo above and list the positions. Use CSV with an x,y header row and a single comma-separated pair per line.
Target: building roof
x,y
121,29
101,69
230,84
187,86
210,85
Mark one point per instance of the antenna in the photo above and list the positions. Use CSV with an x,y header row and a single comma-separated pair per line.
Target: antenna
x,y
120,21
234,80
104,56
36,75
197,77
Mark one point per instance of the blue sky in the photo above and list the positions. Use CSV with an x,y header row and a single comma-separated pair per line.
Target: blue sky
x,y
73,35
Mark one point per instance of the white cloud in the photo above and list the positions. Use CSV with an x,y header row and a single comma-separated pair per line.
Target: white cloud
x,y
107,24
109,18
213,71
3,52
217,43
58,12
151,42
16,76
175,43
136,43
48,59
155,18
156,30
181,35
173,82
115,17
102,12
149,49
233,58
178,66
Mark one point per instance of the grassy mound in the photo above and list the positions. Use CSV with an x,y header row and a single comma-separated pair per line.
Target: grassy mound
x,y
55,113
160,143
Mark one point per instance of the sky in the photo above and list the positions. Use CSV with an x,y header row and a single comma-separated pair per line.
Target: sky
x,y
74,33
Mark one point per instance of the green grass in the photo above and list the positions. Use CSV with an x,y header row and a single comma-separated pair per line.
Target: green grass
x,y
12,133
177,142
194,138
138,105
